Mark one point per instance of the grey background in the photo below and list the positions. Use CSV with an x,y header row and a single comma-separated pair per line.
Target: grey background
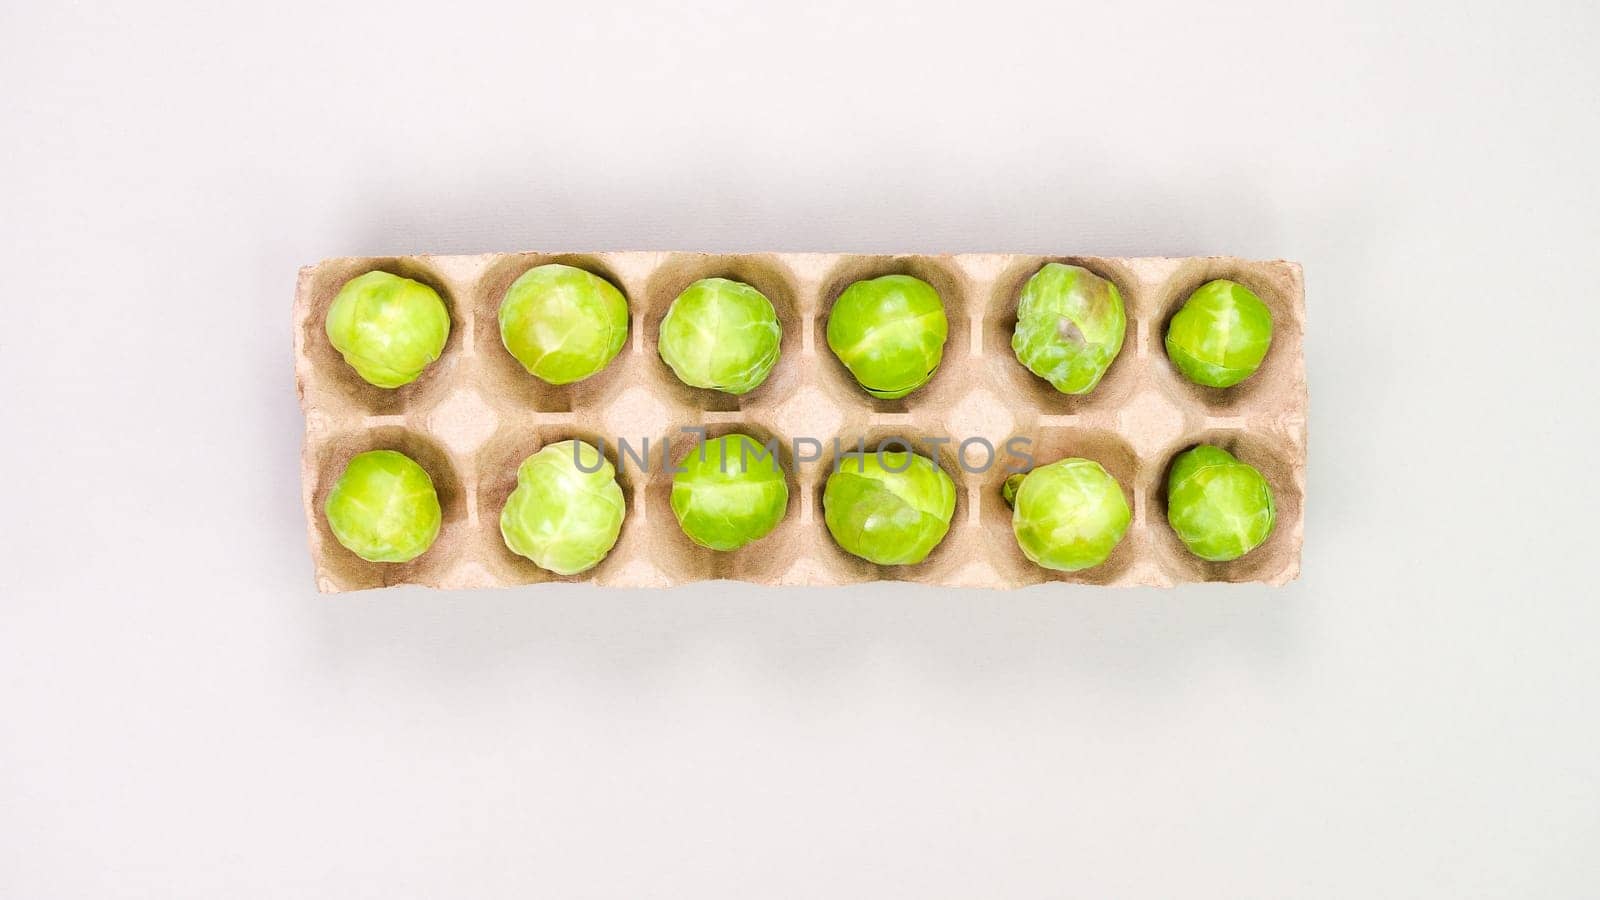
x,y
181,716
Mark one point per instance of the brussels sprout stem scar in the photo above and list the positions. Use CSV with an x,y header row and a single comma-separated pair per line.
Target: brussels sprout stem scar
x,y
1009,489
1069,331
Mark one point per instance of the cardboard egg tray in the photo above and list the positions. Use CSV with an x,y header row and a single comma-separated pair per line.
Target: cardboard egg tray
x,y
475,414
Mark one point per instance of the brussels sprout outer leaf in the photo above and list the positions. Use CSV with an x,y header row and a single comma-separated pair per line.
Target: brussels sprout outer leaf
x,y
563,324
1070,327
383,507
388,328
562,518
890,333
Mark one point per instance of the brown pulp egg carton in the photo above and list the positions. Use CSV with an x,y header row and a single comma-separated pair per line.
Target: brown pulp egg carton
x,y
475,414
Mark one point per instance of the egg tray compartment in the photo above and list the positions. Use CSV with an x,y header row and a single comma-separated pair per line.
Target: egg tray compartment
x,y
474,415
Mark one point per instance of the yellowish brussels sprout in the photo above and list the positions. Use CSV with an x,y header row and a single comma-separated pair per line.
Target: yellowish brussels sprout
x,y
891,508
383,508
567,509
1070,327
562,323
730,491
890,333
1068,515
388,328
1221,334
721,334
1220,507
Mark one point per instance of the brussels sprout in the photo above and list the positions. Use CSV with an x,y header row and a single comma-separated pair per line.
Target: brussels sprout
x,y
383,507
730,492
890,333
1220,335
1070,326
388,328
1220,507
1068,515
890,508
562,323
722,335
563,518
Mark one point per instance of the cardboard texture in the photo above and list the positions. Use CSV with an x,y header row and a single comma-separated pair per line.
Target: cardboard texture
x,y
475,414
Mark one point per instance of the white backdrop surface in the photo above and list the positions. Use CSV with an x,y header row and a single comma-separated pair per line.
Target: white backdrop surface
x,y
182,716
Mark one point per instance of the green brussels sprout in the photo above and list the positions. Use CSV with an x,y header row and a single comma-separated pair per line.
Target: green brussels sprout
x,y
890,508
388,328
563,323
1068,515
383,507
1070,326
563,518
890,333
1221,334
1220,507
729,492
721,334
